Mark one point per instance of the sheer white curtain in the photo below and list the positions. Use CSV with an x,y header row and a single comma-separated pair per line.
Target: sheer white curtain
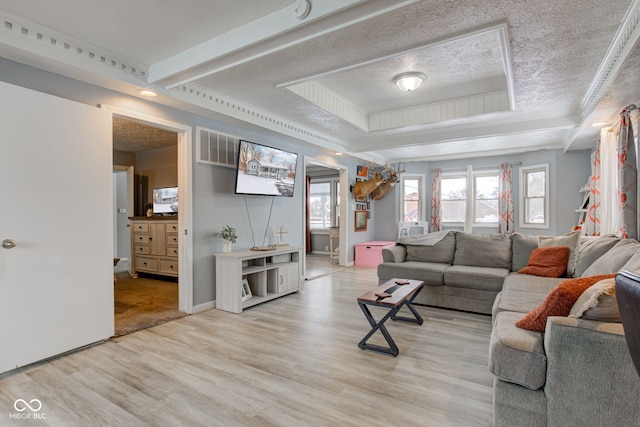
x,y
609,212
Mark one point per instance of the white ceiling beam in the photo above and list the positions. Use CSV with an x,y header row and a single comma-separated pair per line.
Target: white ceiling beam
x,y
264,36
470,133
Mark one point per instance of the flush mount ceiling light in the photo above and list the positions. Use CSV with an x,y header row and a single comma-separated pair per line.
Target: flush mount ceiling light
x,y
409,81
147,92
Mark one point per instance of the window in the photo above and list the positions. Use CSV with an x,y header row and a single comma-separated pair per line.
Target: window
x,y
534,200
324,204
454,199
485,208
413,203
479,210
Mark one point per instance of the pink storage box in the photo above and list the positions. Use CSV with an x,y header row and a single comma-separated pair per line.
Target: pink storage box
x,y
369,254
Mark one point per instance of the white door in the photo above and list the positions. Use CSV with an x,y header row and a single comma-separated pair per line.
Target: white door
x,y
56,284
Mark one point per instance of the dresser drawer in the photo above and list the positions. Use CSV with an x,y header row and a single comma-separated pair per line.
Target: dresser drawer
x,y
171,228
140,227
172,240
172,251
140,238
168,266
146,264
141,249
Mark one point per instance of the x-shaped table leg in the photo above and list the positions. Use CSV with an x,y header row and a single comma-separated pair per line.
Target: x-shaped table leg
x,y
379,326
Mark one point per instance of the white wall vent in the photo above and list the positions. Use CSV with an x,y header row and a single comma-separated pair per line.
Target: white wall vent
x,y
216,148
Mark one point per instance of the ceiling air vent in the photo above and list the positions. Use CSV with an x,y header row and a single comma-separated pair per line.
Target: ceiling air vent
x,y
216,148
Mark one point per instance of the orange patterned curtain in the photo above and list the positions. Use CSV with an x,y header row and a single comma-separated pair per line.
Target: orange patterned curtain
x,y
505,200
627,179
592,222
435,224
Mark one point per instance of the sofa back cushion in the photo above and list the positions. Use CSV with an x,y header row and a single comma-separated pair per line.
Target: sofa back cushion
x,y
442,251
589,249
483,250
569,240
521,247
614,259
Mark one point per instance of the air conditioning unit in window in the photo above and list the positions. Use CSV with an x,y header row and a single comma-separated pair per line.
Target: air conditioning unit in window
x,y
412,228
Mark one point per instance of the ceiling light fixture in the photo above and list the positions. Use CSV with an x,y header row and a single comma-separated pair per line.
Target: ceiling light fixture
x,y
599,124
147,92
409,81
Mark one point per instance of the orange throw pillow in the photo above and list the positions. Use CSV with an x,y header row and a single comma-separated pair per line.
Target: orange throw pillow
x,y
547,262
559,301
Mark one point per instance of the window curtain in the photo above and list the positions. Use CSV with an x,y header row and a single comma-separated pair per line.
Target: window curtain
x,y
627,179
435,224
309,248
506,223
594,213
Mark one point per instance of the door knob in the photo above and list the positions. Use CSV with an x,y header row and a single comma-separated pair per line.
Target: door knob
x,y
8,243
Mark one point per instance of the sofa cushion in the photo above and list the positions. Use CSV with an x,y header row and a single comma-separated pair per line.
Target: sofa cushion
x,y
521,247
440,252
598,303
589,249
517,282
558,302
431,273
633,264
547,262
569,240
614,259
516,302
483,278
517,355
483,250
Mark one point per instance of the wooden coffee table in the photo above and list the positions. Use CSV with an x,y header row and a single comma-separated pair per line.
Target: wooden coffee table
x,y
402,293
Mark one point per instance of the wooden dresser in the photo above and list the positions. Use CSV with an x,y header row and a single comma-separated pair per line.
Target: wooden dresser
x,y
154,245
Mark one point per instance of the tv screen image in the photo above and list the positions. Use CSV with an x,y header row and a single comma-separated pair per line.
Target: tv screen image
x,y
265,171
165,200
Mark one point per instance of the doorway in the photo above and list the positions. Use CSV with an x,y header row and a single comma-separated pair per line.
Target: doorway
x,y
325,223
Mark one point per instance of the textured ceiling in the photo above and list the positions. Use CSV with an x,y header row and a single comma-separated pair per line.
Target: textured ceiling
x,y
135,137
503,76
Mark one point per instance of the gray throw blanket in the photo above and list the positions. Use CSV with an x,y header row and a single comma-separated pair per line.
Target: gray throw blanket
x,y
430,239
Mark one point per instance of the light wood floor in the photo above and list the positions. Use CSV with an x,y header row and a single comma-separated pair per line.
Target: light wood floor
x,y
293,361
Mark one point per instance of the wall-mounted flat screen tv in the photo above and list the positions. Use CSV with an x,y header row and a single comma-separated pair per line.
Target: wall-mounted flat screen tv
x,y
265,171
165,200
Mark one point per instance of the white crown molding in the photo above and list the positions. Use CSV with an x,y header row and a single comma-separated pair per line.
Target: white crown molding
x,y
28,37
213,101
623,44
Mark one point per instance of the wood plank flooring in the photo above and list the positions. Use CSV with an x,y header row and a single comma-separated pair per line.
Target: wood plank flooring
x,y
293,361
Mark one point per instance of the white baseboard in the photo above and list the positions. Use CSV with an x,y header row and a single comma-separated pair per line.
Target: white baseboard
x,y
203,307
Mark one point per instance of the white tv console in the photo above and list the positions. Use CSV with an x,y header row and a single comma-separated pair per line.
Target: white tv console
x,y
267,279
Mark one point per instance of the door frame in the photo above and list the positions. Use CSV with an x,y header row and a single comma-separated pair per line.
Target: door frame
x,y
185,189
343,172
130,203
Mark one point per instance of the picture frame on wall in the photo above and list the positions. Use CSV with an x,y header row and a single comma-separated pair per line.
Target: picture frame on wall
x,y
246,290
360,223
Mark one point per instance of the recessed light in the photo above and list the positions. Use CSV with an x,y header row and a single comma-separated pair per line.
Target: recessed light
x,y
147,92
599,124
338,153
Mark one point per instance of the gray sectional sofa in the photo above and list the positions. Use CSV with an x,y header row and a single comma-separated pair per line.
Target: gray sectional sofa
x,y
578,371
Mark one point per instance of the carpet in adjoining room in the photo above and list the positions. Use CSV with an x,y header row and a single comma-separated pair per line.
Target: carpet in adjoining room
x,y
143,302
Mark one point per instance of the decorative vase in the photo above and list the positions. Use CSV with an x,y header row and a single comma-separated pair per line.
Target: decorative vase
x,y
226,246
